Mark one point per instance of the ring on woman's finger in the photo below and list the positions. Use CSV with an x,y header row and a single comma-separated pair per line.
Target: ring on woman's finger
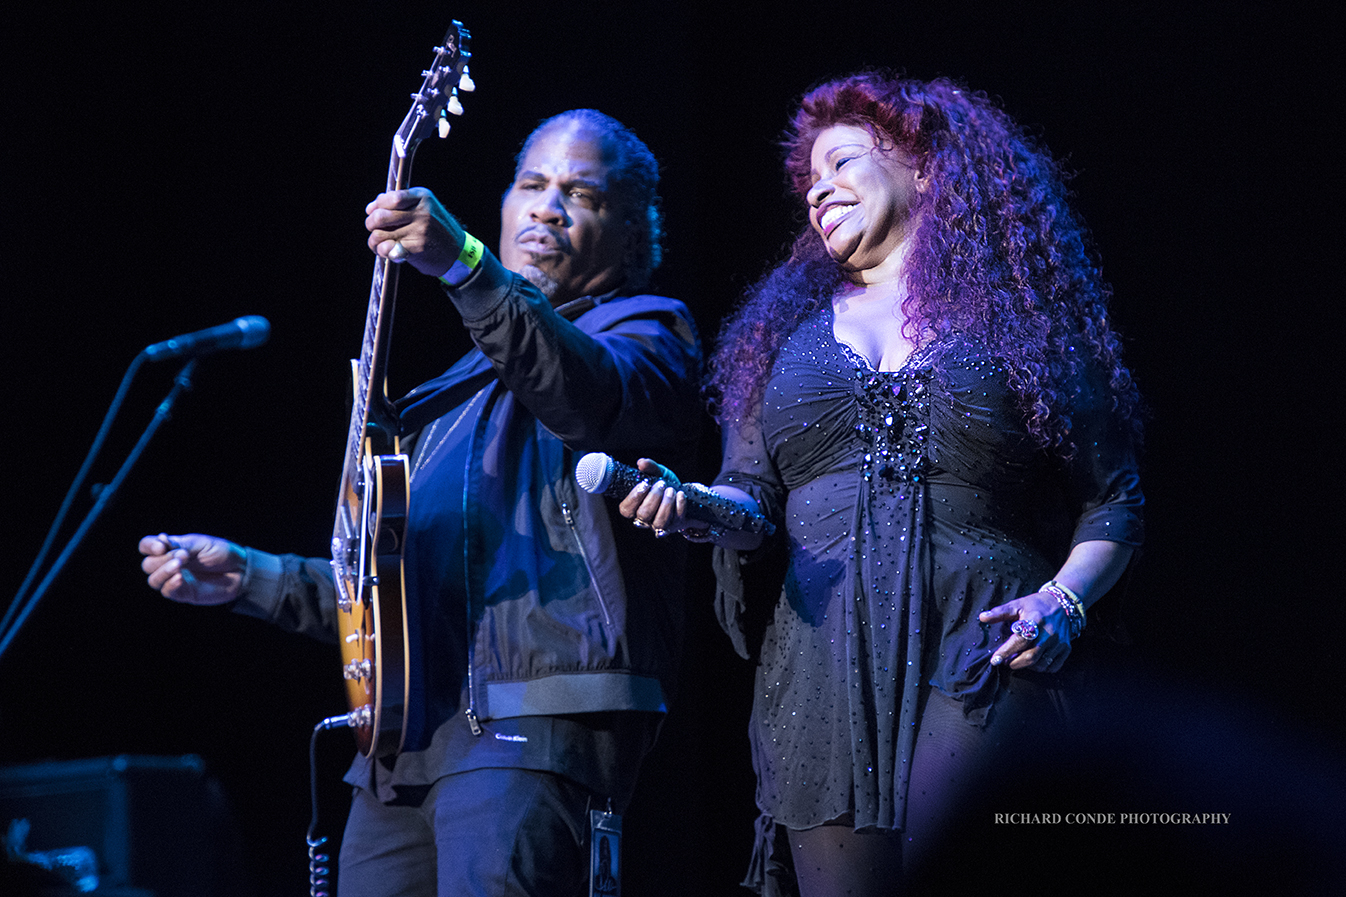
x,y
639,524
660,533
398,253
1025,629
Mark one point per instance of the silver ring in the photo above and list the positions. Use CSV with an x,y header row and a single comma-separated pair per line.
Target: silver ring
x,y
639,524
398,253
1025,629
660,533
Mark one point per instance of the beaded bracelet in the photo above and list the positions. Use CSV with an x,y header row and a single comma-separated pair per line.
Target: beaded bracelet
x,y
1070,603
1069,593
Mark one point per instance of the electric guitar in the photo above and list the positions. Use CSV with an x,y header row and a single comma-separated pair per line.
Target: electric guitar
x,y
372,503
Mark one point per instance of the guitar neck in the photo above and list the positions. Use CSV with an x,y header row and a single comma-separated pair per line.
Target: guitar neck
x,y
371,412
372,409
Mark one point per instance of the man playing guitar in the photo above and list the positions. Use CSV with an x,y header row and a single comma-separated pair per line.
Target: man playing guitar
x,y
542,633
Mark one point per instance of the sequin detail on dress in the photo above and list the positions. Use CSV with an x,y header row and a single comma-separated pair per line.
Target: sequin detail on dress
x,y
894,418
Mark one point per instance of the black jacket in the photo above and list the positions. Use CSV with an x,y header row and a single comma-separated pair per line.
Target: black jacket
x,y
568,608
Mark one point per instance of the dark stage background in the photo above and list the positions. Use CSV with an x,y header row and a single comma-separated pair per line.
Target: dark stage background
x,y
172,166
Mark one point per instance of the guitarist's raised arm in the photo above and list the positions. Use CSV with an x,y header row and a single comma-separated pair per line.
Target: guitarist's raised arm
x,y
412,226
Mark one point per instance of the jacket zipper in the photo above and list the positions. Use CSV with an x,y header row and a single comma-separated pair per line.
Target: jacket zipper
x,y
471,712
569,516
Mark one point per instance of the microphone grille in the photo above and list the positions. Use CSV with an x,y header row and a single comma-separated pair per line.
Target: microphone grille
x,y
256,331
594,472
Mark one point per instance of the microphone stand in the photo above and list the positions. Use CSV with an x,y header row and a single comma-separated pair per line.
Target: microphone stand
x,y
22,607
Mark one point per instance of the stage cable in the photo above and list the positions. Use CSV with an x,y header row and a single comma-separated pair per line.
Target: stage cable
x,y
318,869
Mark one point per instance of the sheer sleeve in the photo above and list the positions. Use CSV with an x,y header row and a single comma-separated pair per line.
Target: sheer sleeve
x,y
1103,476
742,605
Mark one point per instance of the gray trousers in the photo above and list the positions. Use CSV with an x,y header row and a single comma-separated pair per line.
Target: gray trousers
x,y
484,833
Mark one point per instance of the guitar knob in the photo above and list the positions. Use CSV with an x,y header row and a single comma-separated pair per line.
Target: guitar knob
x,y
465,82
444,126
455,107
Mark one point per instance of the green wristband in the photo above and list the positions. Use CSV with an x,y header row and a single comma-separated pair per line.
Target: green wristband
x,y
467,262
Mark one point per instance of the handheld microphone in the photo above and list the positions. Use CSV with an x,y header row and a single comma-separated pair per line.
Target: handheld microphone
x,y
240,333
597,472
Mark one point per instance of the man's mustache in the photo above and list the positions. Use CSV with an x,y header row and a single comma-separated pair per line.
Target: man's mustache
x,y
554,241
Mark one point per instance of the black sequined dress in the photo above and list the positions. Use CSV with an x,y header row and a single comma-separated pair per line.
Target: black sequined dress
x,y
911,501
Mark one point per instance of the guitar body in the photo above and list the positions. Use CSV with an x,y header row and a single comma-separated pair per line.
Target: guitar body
x,y
371,594
373,499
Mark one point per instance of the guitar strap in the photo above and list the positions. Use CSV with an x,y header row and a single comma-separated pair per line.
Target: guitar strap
x,y
436,398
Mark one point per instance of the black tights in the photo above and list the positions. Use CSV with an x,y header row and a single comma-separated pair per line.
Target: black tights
x,y
951,756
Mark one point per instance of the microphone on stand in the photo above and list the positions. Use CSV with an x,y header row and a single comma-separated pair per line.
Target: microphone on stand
x,y
597,472
241,333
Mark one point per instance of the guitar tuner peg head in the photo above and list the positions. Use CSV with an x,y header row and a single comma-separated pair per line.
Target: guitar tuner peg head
x,y
455,107
465,83
444,126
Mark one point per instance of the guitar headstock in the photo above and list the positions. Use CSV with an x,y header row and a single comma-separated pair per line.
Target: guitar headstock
x,y
437,99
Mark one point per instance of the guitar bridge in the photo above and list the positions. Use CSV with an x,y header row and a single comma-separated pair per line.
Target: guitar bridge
x,y
343,598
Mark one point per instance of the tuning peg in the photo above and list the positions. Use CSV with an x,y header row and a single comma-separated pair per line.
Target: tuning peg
x,y
465,83
444,125
455,107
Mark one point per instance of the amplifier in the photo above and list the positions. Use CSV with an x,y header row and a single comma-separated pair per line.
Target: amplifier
x,y
159,826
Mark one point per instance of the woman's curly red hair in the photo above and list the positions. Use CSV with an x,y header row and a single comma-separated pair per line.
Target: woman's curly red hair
x,y
998,256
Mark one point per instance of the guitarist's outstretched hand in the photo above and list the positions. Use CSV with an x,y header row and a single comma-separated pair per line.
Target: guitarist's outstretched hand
x,y
193,569
410,225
